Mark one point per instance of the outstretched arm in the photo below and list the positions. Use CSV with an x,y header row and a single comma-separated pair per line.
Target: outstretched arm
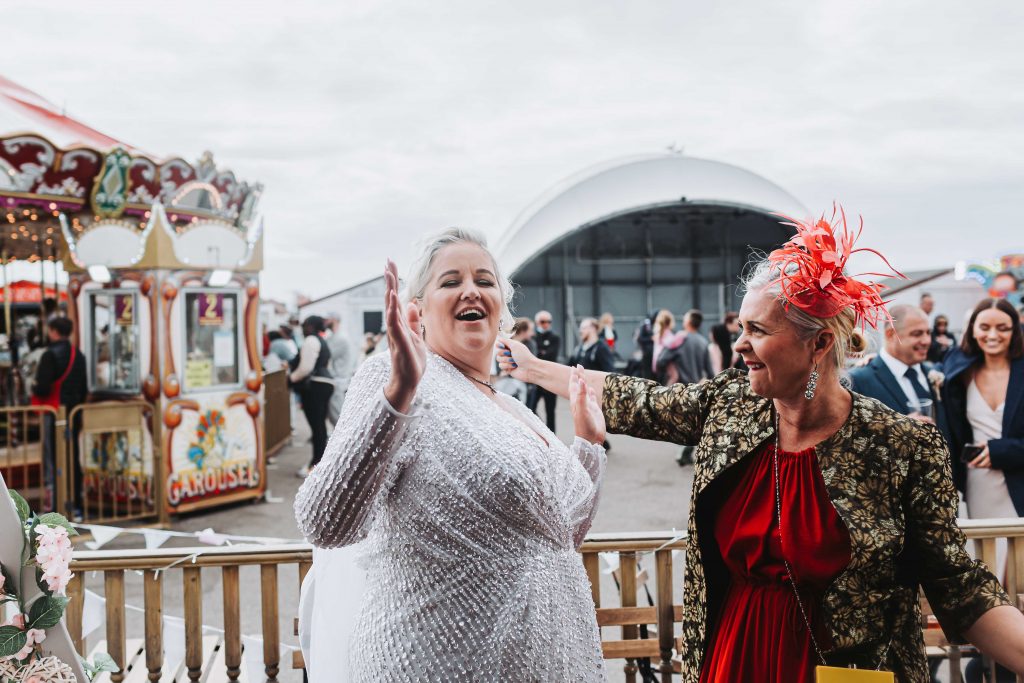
x,y
516,359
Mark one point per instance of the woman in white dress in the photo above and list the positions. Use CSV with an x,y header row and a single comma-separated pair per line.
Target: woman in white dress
x,y
470,510
982,395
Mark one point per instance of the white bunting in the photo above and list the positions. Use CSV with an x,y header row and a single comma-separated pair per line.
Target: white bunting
x,y
174,642
94,611
211,537
612,561
102,535
155,537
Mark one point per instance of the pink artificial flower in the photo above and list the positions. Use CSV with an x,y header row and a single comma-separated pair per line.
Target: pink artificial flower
x,y
35,635
57,578
18,620
3,579
34,679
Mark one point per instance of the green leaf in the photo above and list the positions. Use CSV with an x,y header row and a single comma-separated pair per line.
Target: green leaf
x,y
57,519
46,612
12,640
104,662
24,511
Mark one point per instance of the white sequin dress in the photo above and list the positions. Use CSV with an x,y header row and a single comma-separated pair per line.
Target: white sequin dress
x,y
471,523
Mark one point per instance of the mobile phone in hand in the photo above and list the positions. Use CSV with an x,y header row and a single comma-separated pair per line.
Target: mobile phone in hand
x,y
970,452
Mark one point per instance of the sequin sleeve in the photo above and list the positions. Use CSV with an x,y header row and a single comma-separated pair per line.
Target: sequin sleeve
x,y
582,496
335,504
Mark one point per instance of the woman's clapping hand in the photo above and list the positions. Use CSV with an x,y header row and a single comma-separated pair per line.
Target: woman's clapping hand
x,y
405,343
587,418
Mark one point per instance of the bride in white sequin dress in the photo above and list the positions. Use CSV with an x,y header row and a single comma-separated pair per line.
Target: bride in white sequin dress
x,y
468,509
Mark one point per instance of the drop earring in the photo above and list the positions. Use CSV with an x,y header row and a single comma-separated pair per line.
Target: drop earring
x,y
812,383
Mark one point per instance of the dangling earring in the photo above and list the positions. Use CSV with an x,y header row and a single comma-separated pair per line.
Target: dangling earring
x,y
812,383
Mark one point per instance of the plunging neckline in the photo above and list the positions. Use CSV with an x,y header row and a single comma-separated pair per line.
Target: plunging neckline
x,y
984,401
502,397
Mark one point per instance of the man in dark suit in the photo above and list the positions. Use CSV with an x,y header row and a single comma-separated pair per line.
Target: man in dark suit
x,y
590,354
548,345
898,375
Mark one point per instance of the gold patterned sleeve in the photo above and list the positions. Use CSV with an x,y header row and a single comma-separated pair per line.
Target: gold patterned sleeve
x,y
958,588
647,410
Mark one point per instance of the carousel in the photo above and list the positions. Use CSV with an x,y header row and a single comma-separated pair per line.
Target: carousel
x,y
156,262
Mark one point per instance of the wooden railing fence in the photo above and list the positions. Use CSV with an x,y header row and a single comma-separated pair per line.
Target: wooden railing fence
x,y
189,566
646,573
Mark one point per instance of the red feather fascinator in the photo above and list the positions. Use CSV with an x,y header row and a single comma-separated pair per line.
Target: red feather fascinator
x,y
811,264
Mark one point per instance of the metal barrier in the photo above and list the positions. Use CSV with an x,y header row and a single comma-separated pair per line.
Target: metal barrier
x,y
121,475
31,459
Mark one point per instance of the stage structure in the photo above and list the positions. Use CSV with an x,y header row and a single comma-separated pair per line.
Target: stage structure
x,y
163,258
640,234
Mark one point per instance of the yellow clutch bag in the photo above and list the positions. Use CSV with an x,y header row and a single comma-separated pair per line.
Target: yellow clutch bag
x,y
833,674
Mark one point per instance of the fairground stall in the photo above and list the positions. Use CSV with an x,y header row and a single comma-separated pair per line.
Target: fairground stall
x,y
162,260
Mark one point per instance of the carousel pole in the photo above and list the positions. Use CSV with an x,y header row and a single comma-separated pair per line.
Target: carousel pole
x,y
42,294
7,299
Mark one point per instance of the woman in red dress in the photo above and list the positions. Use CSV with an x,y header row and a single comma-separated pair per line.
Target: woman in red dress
x,y
817,515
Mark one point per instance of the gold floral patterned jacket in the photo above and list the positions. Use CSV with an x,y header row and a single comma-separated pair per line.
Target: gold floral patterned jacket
x,y
888,477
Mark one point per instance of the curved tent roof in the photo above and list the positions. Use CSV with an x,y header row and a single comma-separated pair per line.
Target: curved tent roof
x,y
626,185
23,111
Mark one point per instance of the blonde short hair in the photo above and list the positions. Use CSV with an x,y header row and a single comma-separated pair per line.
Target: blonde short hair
x,y
419,276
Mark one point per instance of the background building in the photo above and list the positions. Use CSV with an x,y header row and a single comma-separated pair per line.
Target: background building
x,y
641,234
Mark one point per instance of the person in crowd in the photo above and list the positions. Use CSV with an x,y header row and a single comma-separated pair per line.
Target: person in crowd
x,y
942,340
982,393
691,356
549,345
796,476
296,331
607,331
723,335
342,366
664,336
311,379
589,353
898,375
282,345
370,341
472,508
522,332
927,305
61,380
643,337
687,358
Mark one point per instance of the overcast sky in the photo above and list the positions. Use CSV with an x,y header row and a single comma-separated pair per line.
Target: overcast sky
x,y
373,123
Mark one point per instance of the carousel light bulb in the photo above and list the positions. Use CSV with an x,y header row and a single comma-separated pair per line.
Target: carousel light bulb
x,y
49,241
219,278
34,217
53,206
100,274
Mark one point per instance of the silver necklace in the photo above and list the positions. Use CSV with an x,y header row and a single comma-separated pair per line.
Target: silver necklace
x,y
789,570
480,381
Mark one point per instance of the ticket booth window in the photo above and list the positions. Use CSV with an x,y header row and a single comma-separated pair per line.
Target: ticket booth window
x,y
211,339
114,321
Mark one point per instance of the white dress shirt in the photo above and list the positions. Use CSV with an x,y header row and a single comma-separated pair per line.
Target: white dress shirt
x,y
898,368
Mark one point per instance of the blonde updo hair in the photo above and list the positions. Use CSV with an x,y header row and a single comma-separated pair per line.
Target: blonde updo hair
x,y
663,321
848,340
419,276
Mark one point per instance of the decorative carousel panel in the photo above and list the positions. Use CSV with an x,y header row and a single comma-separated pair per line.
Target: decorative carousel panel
x,y
213,452
31,165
